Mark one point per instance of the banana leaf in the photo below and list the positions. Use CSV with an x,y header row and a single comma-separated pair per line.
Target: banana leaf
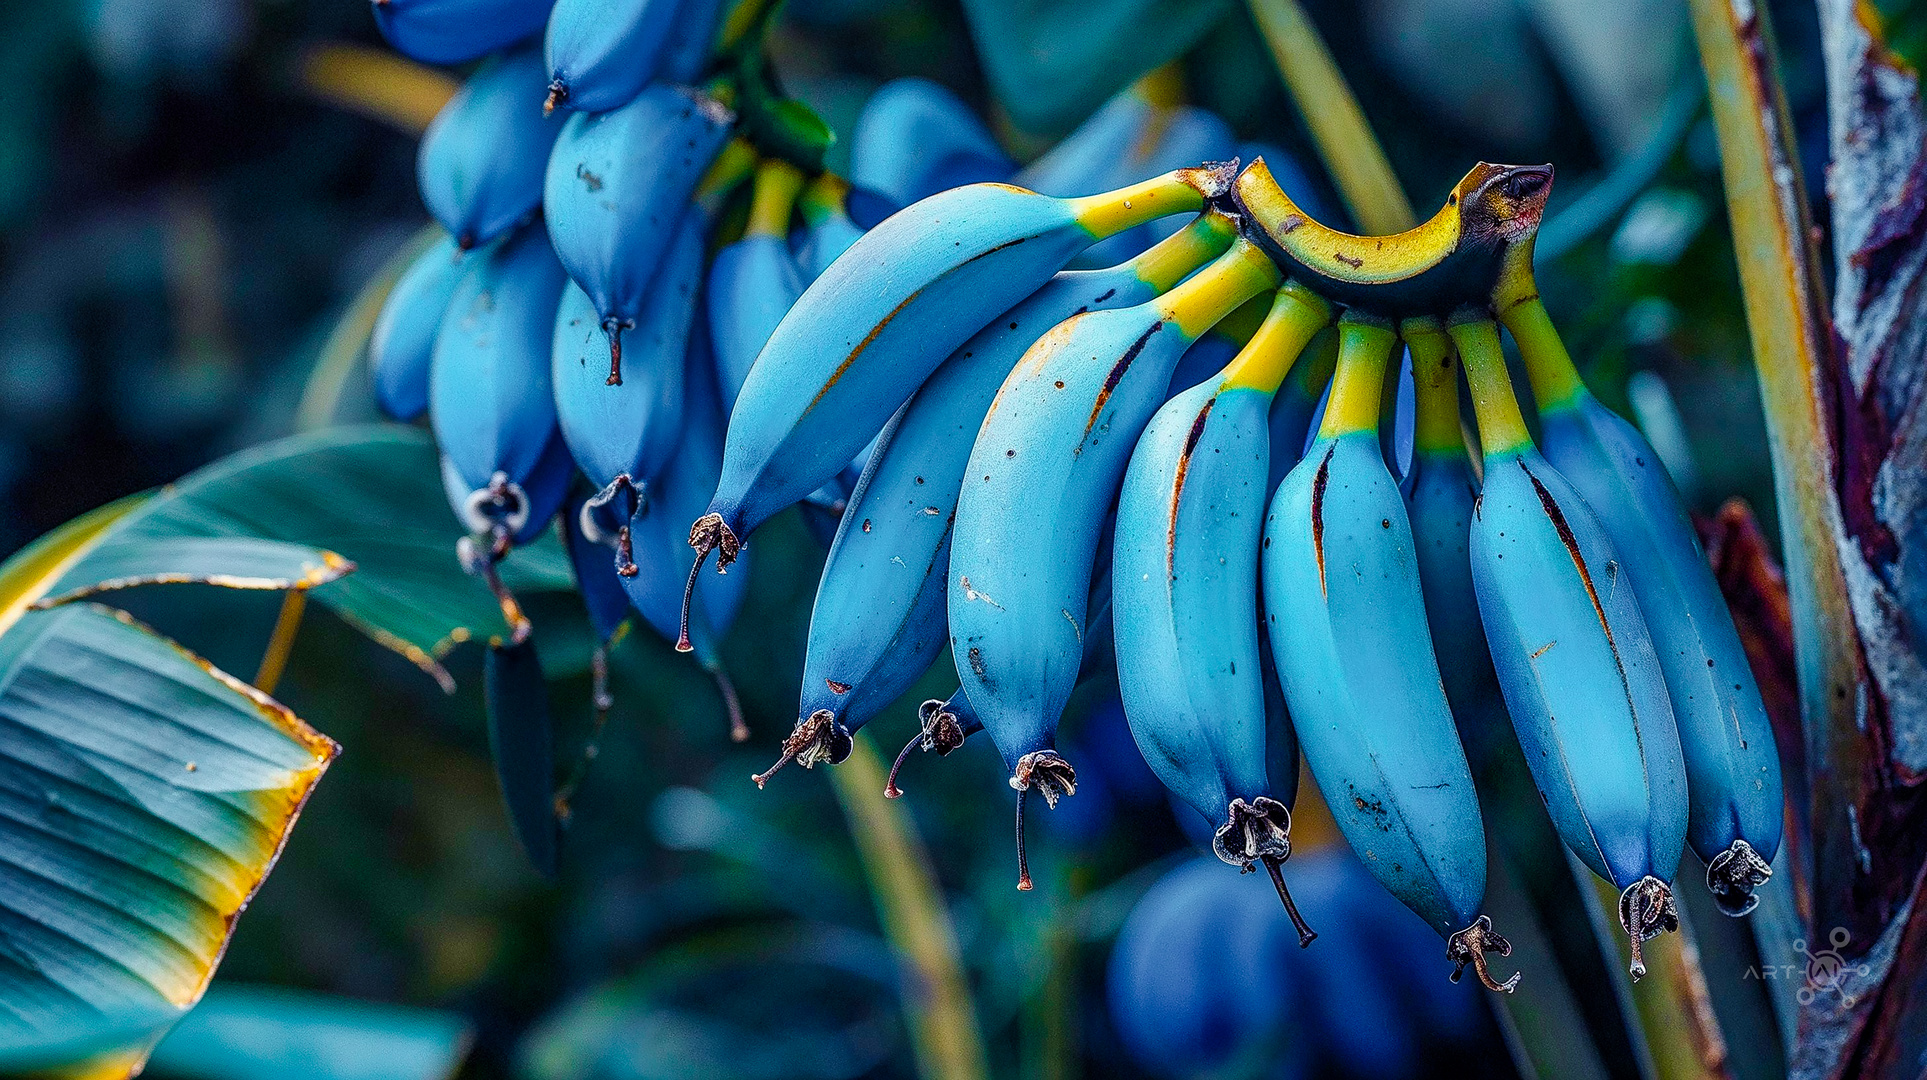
x,y
373,495
521,740
258,1033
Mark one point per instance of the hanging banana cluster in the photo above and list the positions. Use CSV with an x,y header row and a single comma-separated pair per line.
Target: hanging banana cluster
x,y
1064,464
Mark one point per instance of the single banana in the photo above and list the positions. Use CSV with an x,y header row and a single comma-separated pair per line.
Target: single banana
x,y
1575,660
616,186
915,138
879,619
1185,588
481,160
1346,616
601,53
403,343
662,554
1431,269
1052,452
754,281
457,31
1735,799
866,334
1091,157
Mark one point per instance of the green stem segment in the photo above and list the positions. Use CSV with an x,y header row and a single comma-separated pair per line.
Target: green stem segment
x,y
1435,380
1555,380
1177,256
1239,274
1502,427
1364,351
773,199
1296,315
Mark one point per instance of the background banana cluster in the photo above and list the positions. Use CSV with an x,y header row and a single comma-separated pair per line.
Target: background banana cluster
x,y
1132,411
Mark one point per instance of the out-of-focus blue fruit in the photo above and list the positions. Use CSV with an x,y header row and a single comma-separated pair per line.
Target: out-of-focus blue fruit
x,y
601,53
615,193
403,343
754,281
686,55
834,216
489,397
481,162
457,31
914,138
1183,137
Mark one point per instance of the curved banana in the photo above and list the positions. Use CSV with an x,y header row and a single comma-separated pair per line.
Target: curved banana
x,y
754,281
403,342
1431,269
615,189
1346,616
1574,657
601,53
865,335
481,160
915,138
1185,593
1052,451
879,619
1733,782
662,555
457,31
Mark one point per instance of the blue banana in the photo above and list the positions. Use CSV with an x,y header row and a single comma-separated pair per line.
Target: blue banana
x,y
692,42
1185,589
1219,345
601,53
662,555
754,281
1053,448
834,215
1346,615
1575,660
1733,779
879,618
1090,157
504,464
481,160
1296,404
614,194
403,342
866,334
1179,135
914,138
457,31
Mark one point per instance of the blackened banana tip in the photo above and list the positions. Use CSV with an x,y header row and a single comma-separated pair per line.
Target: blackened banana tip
x,y
558,93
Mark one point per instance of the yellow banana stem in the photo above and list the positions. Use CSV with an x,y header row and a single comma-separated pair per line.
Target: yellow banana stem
x,y
1555,380
1216,291
1345,141
1241,325
1296,316
1435,380
1112,212
1364,351
1173,259
1502,427
823,197
777,185
731,167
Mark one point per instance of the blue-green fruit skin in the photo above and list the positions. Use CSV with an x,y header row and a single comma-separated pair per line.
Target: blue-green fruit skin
x,y
692,38
490,401
629,430
595,575
1292,411
1577,667
617,187
481,161
914,138
879,619
752,284
601,53
819,245
1346,616
868,332
403,343
1185,595
660,533
1732,766
1439,494
457,31
1042,474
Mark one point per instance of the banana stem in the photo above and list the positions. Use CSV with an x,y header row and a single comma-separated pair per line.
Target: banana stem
x,y
823,198
1555,379
1306,935
942,1016
274,661
1435,380
778,183
732,166
1345,141
1216,291
1174,258
1502,427
1364,350
1296,316
1112,212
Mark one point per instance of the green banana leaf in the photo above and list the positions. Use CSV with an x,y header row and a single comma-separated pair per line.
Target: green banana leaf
x,y
521,740
144,795
373,494
1053,62
264,1033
